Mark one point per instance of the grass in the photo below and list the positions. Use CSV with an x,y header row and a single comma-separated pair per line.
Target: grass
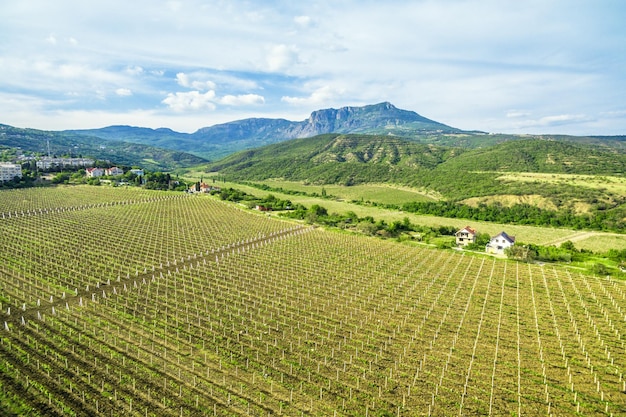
x,y
383,193
526,234
379,193
602,242
611,184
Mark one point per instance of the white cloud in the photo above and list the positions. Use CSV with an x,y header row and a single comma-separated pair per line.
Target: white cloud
x,y
184,80
195,100
52,40
192,100
512,114
135,70
303,21
615,113
242,100
123,92
318,97
282,57
174,6
564,119
555,120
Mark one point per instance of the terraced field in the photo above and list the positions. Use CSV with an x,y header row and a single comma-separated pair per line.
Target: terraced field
x,y
172,305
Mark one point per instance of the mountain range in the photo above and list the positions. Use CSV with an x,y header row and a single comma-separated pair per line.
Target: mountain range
x,y
167,149
216,141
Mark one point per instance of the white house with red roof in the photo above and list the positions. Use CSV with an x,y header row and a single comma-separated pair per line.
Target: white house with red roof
x,y
113,171
465,236
94,172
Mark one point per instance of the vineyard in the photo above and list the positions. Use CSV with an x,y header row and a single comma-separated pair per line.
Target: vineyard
x,y
144,303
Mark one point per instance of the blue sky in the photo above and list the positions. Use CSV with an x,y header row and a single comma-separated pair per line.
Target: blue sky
x,y
533,66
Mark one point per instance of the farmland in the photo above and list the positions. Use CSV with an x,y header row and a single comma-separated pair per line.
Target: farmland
x,y
132,302
527,234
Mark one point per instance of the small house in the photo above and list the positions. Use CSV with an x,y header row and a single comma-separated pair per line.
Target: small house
x,y
94,172
499,243
465,236
114,171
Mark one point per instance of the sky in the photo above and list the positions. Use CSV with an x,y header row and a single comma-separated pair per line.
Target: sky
x,y
501,66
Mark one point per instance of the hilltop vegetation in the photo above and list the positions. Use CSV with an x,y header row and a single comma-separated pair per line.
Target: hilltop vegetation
x,y
336,158
123,153
455,172
458,175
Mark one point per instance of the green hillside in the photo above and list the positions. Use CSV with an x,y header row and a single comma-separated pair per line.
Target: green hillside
x,y
336,158
122,153
536,155
457,174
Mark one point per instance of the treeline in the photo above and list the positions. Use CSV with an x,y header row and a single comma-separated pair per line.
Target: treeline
x,y
269,202
523,214
602,218
567,253
317,214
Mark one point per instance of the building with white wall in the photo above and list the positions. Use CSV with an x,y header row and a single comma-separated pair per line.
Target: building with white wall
x,y
9,171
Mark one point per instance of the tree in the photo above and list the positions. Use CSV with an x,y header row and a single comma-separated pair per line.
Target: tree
x,y
318,210
521,253
568,246
600,269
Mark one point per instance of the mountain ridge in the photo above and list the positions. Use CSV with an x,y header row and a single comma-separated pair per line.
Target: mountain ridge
x,y
222,139
384,119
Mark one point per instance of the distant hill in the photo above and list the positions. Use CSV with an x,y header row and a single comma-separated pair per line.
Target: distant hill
x,y
336,158
220,140
215,142
542,155
457,173
122,153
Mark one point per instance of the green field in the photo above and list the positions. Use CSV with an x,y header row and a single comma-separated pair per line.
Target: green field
x,y
613,184
167,304
526,234
379,193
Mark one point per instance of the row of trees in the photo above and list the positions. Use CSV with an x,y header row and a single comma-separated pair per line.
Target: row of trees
x,y
269,202
526,214
443,237
602,217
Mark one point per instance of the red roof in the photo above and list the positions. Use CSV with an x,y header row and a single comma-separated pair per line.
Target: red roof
x,y
469,229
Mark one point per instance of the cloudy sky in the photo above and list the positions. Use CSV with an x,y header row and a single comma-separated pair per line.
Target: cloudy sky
x,y
531,66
